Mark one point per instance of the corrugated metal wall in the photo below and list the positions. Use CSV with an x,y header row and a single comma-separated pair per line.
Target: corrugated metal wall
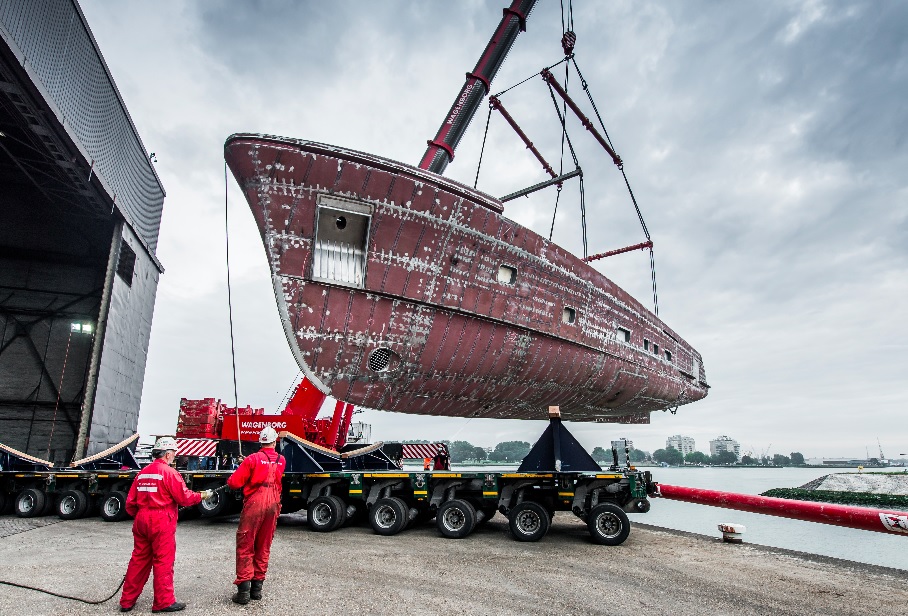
x,y
58,48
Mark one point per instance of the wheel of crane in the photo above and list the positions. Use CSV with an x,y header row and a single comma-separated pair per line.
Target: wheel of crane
x,y
324,514
388,516
529,521
608,524
456,518
341,511
30,503
113,506
72,504
215,505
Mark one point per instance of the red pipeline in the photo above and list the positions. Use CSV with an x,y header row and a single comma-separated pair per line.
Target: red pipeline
x,y
865,518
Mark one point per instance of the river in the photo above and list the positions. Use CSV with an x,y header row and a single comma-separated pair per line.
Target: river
x,y
847,543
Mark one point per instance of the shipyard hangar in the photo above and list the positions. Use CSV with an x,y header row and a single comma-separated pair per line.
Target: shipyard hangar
x,y
80,212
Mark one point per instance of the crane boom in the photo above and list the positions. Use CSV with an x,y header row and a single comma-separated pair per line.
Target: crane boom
x,y
441,149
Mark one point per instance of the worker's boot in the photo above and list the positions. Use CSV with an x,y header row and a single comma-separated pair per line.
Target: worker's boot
x,y
242,593
256,591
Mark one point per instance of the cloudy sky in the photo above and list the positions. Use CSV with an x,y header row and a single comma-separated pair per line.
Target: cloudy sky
x,y
765,143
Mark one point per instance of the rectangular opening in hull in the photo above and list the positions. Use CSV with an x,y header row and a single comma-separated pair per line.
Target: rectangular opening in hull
x,y
341,243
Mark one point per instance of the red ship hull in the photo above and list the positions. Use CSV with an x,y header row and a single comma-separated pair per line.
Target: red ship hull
x,y
402,290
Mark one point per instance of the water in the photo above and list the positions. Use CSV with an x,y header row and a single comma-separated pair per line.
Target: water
x,y
847,543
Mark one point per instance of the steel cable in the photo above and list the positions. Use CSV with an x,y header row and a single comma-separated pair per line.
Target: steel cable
x,y
236,398
54,594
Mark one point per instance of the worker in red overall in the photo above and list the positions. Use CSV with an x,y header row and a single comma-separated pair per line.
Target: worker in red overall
x,y
153,499
442,461
260,478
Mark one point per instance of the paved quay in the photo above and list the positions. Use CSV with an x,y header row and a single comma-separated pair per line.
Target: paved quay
x,y
353,571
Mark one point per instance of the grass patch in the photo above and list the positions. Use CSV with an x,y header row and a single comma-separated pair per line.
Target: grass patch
x,y
866,499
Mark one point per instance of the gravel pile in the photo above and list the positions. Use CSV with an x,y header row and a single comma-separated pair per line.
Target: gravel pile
x,y
876,483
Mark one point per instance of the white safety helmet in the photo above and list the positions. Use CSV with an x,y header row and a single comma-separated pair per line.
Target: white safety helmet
x,y
267,435
165,443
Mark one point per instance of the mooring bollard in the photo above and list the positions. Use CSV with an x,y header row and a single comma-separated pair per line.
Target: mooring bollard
x,y
731,533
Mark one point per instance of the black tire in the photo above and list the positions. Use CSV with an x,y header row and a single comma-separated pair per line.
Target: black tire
x,y
113,506
529,521
217,504
456,518
71,504
50,502
341,511
388,516
324,514
608,524
30,503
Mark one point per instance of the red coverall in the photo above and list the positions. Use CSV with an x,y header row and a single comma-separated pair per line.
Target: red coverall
x,y
153,500
260,477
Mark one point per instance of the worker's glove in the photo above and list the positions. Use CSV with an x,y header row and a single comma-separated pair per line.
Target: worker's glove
x,y
206,494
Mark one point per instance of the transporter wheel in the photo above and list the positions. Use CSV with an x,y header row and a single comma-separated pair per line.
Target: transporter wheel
x,y
388,516
456,518
113,506
215,505
529,521
341,511
608,524
72,504
30,503
324,514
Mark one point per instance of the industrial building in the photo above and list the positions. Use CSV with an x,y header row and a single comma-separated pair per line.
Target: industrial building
x,y
80,212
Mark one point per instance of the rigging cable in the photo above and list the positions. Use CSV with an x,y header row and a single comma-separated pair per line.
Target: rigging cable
x,y
287,394
567,137
236,398
53,424
483,149
652,259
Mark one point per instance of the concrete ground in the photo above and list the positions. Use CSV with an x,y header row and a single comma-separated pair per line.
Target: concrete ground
x,y
353,571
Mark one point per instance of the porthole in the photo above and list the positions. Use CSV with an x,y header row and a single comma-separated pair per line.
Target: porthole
x,y
507,274
569,315
341,222
382,359
623,335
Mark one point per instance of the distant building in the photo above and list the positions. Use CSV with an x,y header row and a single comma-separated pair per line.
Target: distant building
x,y
723,443
684,444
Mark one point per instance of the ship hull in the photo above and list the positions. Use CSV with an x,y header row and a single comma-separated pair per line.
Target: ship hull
x,y
404,291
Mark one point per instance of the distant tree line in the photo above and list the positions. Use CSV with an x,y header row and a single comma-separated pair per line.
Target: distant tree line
x,y
515,451
462,451
673,457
